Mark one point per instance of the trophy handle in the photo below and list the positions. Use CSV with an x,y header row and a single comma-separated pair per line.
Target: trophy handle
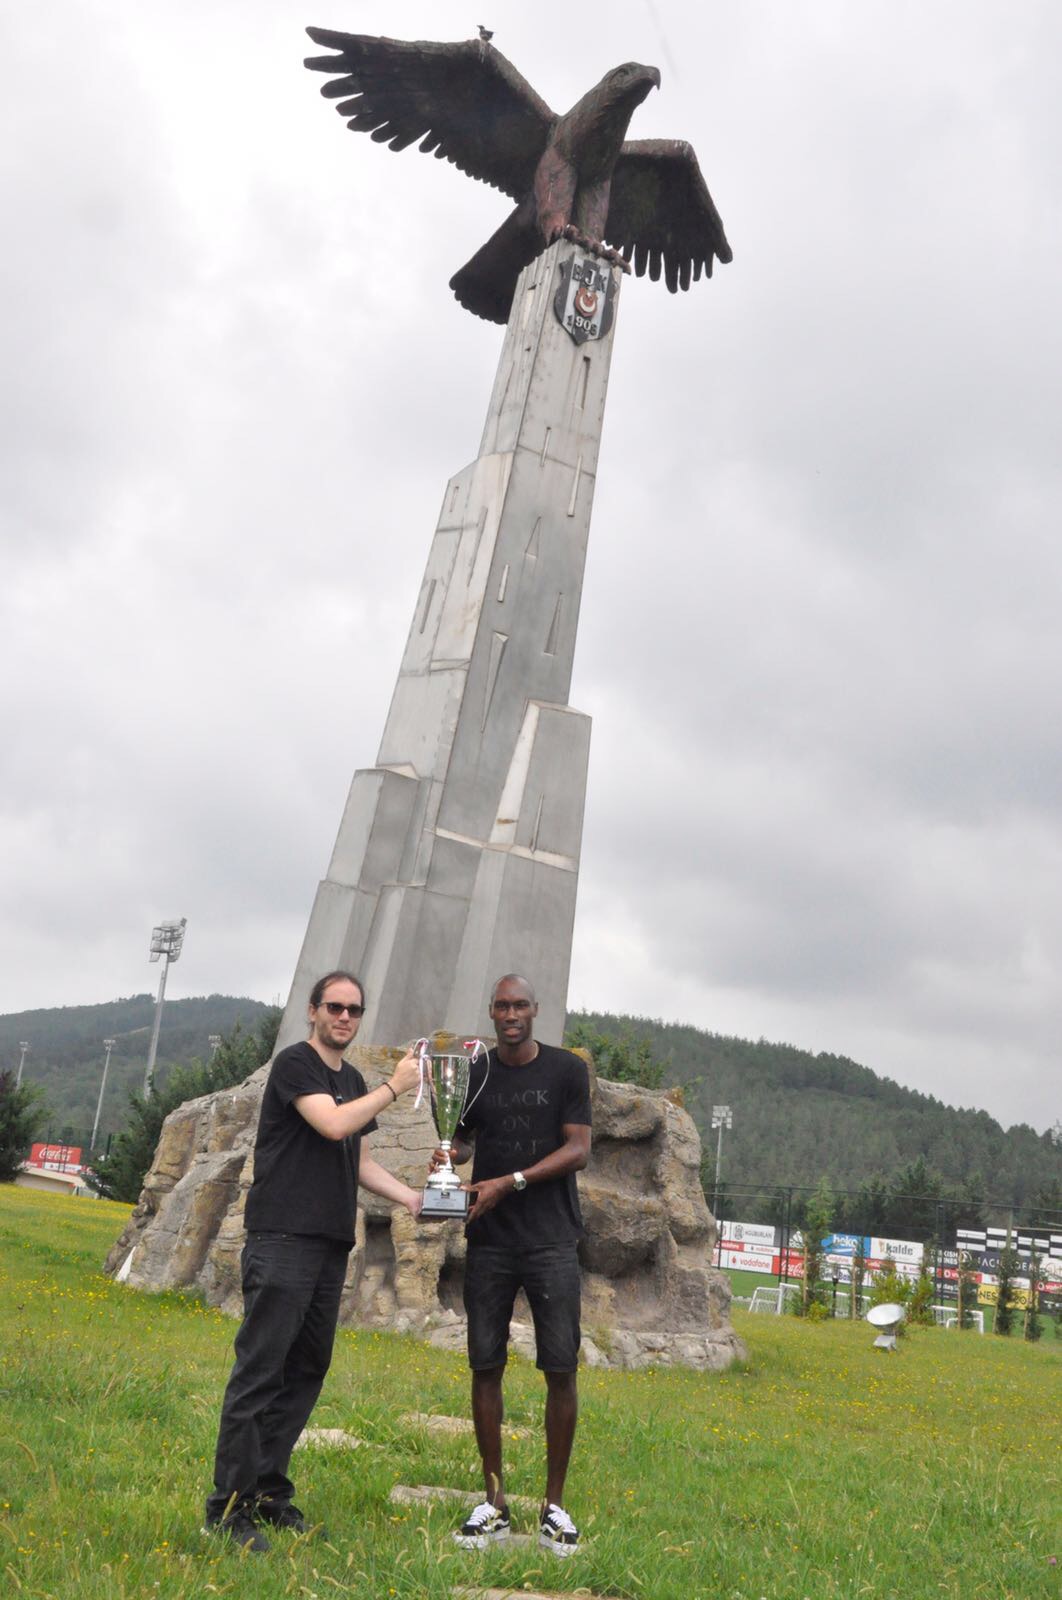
x,y
477,1047
421,1047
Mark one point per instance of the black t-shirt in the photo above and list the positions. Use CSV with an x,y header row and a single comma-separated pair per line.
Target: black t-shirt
x,y
303,1182
516,1118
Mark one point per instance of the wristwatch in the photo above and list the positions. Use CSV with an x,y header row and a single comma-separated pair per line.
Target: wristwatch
x,y
519,1182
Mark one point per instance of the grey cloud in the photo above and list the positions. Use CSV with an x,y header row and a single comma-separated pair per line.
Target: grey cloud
x,y
818,631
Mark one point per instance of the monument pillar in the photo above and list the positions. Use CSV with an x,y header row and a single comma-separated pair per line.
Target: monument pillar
x,y
457,857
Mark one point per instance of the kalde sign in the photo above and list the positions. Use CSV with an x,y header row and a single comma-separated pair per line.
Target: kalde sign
x,y
903,1251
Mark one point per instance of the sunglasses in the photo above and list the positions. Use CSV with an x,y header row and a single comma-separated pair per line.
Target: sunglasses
x,y
335,1009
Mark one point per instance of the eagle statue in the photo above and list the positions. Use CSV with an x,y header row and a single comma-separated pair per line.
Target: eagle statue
x,y
574,175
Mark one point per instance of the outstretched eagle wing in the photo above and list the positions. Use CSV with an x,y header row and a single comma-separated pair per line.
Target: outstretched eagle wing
x,y
660,212
463,101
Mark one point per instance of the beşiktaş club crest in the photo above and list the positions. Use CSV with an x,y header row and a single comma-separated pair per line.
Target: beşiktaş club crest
x,y
584,302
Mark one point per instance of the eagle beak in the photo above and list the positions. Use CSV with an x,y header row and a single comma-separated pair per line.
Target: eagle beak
x,y
654,73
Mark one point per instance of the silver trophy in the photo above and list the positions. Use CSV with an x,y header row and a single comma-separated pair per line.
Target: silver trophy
x,y
445,1069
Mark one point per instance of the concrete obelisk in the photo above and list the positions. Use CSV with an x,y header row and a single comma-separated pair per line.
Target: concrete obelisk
x,y
457,857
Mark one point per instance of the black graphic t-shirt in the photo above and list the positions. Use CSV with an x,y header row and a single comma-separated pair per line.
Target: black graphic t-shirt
x,y
303,1182
516,1118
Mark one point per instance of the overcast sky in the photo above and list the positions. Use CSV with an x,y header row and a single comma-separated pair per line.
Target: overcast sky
x,y
819,637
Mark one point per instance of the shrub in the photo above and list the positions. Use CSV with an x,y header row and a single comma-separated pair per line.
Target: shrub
x,y
622,1058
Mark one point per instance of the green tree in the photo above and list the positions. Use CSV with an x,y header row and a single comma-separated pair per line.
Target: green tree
x,y
859,1272
621,1057
22,1113
920,1305
888,1288
864,1210
915,1191
969,1208
1008,1271
1046,1209
120,1174
966,1290
818,1222
1033,1321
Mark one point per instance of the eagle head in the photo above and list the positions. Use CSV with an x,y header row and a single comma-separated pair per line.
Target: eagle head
x,y
631,83
598,123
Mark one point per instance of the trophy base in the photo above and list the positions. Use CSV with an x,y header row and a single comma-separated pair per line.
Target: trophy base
x,y
442,1205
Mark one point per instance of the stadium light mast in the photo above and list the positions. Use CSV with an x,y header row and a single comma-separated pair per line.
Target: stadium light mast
x,y
166,941
108,1045
214,1041
722,1117
23,1045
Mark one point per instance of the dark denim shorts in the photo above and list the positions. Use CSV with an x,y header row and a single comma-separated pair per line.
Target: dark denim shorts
x,y
549,1276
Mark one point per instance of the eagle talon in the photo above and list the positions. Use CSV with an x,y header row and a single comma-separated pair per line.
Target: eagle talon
x,y
614,256
597,248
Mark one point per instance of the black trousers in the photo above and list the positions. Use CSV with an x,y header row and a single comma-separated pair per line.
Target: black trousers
x,y
291,1289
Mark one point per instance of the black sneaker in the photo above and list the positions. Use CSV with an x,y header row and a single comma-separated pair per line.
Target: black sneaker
x,y
239,1528
484,1524
282,1514
557,1531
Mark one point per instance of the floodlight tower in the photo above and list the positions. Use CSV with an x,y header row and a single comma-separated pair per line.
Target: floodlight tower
x,y
23,1045
166,941
722,1117
108,1045
214,1041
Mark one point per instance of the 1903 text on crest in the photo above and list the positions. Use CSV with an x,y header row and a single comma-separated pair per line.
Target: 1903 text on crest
x,y
584,301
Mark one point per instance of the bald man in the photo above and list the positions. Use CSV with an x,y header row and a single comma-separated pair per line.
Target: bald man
x,y
529,1131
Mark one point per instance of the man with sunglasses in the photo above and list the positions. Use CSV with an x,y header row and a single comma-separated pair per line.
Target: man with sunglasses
x,y
308,1164
530,1128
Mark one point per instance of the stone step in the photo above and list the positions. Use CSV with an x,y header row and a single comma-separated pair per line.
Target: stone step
x,y
439,1424
404,1494
436,1424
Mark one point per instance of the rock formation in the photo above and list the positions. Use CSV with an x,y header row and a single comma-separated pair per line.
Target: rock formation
x,y
650,1296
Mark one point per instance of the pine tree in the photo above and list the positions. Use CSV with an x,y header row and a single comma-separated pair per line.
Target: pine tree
x,y
1033,1321
1008,1271
969,1208
119,1175
817,1223
22,1113
920,1305
966,1289
859,1272
915,1192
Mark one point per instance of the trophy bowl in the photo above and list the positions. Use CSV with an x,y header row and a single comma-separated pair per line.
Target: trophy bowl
x,y
445,1070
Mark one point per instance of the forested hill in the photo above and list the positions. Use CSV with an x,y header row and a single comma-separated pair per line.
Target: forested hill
x,y
798,1117
66,1052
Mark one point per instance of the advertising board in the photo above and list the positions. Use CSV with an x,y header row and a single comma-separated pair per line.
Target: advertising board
x,y
750,1261
56,1157
743,1235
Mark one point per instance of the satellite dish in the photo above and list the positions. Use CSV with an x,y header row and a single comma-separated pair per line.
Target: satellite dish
x,y
887,1318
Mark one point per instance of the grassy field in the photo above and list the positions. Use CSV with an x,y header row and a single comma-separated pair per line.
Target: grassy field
x,y
821,1469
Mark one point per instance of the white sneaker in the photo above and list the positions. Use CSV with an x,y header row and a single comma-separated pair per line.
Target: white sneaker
x,y
557,1531
484,1525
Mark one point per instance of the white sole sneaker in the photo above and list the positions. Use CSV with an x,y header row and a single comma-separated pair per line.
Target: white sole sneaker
x,y
555,1547
478,1541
